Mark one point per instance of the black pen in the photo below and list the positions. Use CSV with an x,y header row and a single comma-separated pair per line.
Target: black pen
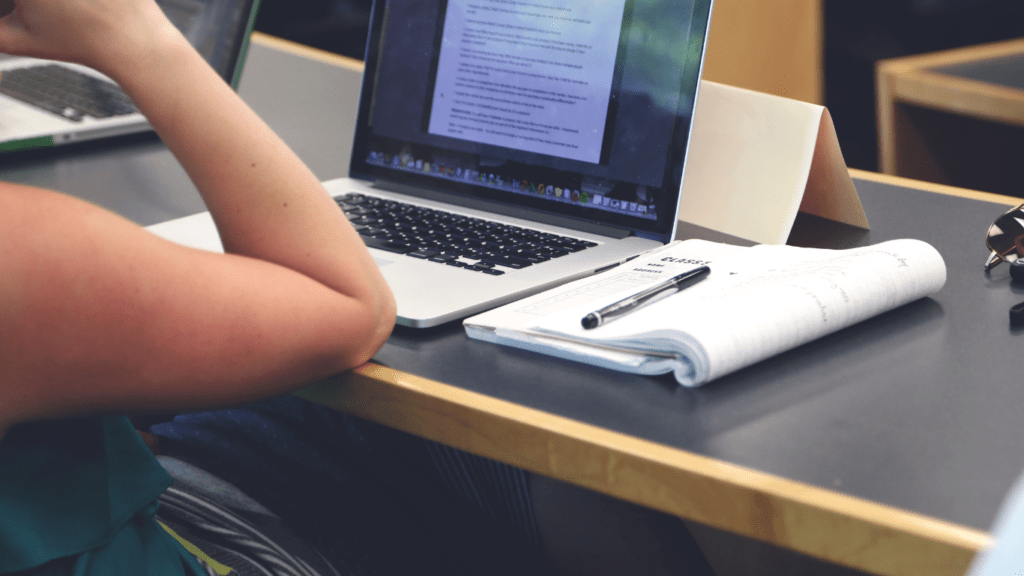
x,y
626,305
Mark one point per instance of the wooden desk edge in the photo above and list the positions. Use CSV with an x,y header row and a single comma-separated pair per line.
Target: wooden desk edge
x,y
306,51
899,84
936,188
818,522
963,55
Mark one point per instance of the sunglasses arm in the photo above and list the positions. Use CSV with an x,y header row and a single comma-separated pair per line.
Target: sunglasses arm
x,y
994,259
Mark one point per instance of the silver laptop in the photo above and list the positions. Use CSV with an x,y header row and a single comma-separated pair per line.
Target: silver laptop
x,y
45,103
503,148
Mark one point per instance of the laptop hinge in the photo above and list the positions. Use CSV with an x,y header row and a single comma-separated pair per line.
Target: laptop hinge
x,y
504,209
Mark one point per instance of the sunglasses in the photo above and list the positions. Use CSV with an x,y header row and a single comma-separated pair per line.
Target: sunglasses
x,y
1006,238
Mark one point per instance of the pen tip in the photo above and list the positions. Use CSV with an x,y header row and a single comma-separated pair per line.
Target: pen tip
x,y
591,321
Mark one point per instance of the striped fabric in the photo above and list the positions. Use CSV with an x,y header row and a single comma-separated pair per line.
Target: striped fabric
x,y
360,493
500,491
228,535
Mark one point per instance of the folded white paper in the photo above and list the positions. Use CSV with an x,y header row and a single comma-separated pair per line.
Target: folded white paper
x,y
756,159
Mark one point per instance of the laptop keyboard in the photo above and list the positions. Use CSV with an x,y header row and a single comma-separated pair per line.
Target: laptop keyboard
x,y
65,92
452,239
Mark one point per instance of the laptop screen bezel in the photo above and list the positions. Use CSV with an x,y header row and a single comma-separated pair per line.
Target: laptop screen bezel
x,y
233,75
662,229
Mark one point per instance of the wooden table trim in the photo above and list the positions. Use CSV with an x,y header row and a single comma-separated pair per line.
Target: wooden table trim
x,y
932,89
936,188
853,532
306,51
914,80
956,56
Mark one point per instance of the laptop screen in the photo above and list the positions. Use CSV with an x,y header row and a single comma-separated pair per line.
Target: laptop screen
x,y
573,107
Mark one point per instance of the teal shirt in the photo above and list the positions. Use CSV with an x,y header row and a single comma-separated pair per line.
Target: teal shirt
x,y
77,497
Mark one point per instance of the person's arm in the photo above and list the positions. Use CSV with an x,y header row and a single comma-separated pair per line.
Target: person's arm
x,y
98,315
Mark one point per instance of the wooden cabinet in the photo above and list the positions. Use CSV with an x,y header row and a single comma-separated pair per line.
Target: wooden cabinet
x,y
772,46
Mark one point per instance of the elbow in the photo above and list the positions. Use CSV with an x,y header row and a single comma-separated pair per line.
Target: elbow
x,y
377,321
385,317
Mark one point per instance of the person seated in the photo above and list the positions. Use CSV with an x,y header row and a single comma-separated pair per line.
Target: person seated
x,y
99,318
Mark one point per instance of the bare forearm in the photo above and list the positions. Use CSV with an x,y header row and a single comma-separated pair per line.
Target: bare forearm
x,y
102,316
266,202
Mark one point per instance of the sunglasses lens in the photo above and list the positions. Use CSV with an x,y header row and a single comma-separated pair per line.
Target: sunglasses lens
x,y
1006,235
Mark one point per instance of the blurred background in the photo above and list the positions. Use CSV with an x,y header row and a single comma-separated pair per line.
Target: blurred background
x,y
858,33
822,51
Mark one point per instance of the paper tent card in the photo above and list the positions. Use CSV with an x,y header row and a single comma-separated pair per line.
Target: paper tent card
x,y
755,160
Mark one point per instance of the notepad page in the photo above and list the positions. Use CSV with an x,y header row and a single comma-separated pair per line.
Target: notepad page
x,y
511,324
768,300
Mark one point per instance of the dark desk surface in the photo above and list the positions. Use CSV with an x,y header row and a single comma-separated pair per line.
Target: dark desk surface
x,y
1005,71
907,422
916,408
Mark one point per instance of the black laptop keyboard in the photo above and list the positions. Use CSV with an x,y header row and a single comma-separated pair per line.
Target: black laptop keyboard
x,y
65,92
452,239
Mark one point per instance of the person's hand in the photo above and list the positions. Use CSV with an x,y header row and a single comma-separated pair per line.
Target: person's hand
x,y
103,34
